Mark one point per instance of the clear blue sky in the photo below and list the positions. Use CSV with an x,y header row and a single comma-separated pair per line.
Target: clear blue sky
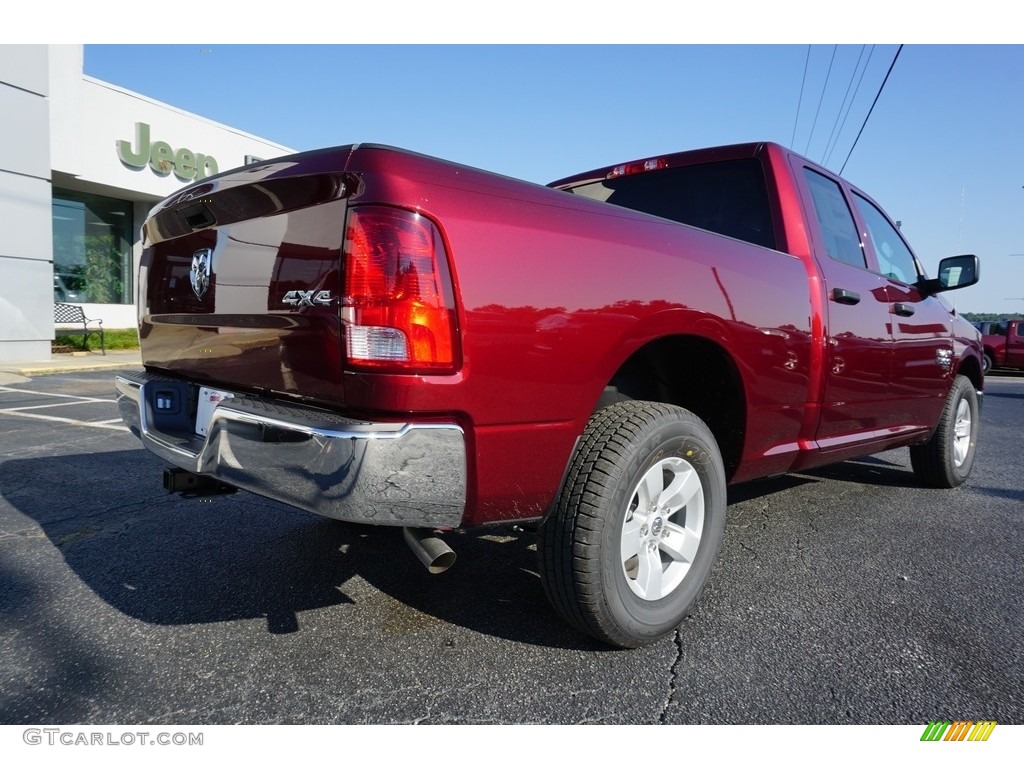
x,y
941,152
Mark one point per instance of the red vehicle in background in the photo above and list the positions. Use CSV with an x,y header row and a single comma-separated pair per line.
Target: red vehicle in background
x,y
387,338
1004,345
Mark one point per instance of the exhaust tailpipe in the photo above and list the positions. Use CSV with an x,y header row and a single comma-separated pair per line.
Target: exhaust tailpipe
x,y
437,556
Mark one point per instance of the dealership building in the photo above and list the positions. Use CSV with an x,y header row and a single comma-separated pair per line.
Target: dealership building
x,y
81,163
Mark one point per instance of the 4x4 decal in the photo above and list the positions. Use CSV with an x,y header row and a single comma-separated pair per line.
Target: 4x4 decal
x,y
307,298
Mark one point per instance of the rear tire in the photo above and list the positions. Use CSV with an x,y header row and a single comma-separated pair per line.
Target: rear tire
x,y
986,363
629,545
945,461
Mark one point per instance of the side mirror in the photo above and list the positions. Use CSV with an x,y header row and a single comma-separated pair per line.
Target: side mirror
x,y
954,272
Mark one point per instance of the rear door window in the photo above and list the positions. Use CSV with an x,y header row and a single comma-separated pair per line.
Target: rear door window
x,y
835,219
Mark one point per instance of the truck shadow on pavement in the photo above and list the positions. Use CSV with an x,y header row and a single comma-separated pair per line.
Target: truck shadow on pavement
x,y
170,560
46,671
871,470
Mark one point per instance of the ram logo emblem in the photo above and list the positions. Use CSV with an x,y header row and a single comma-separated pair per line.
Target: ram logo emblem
x,y
201,272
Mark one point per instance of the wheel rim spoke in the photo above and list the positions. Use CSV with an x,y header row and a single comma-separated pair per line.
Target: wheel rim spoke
x,y
684,487
681,544
649,578
631,538
650,489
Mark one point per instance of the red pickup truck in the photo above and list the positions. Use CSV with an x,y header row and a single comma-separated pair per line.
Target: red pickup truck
x,y
1003,345
383,337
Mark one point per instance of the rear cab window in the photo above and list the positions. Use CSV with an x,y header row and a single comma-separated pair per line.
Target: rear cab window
x,y
728,197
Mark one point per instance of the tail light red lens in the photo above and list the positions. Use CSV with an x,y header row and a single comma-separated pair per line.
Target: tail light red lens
x,y
399,304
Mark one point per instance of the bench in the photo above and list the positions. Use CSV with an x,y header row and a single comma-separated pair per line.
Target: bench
x,y
72,314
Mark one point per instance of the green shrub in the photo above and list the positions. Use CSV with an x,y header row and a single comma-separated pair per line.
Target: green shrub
x,y
116,338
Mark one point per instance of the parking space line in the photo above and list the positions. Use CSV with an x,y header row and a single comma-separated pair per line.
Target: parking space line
x,y
76,422
77,398
54,405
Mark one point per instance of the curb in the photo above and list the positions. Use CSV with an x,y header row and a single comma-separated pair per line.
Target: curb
x,y
71,368
31,369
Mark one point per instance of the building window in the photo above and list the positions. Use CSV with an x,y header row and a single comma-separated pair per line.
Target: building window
x,y
92,248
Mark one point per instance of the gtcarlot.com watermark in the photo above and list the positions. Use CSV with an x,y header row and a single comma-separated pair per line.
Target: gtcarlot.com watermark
x,y
70,737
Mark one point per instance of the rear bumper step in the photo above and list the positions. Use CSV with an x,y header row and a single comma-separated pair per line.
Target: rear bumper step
x,y
380,473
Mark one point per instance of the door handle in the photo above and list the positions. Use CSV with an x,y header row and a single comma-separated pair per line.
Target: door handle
x,y
903,310
843,296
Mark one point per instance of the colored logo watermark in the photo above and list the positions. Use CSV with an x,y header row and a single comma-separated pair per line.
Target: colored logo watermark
x,y
958,730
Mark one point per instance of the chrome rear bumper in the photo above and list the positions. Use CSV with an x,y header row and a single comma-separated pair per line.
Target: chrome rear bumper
x,y
400,474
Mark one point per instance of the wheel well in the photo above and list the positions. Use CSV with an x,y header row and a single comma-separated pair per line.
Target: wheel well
x,y
972,371
695,374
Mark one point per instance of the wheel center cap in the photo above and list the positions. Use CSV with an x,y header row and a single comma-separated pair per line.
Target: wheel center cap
x,y
656,526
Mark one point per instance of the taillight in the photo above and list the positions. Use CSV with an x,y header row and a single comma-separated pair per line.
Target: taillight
x,y
399,304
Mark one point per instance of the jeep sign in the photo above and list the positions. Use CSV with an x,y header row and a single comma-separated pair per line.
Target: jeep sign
x,y
186,164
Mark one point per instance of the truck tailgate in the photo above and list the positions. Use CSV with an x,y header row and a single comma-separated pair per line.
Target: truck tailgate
x,y
241,278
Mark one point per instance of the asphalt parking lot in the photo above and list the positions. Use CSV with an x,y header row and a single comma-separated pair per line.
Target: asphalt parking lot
x,y
846,595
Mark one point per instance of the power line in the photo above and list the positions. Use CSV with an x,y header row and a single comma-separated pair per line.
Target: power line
x,y
824,87
849,107
877,95
800,100
840,122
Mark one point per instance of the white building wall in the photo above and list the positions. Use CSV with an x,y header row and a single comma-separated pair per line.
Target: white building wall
x,y
66,135
26,236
